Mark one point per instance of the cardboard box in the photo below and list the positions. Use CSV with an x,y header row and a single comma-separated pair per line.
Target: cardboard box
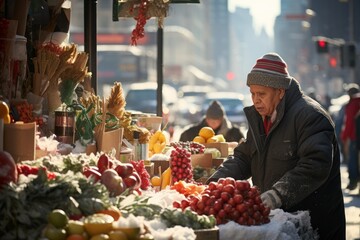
x,y
223,147
203,160
207,234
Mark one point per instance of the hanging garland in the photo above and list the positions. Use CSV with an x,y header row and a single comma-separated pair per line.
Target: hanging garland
x,y
141,11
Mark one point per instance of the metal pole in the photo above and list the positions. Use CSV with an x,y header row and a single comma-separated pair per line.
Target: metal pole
x,y
159,64
90,32
351,37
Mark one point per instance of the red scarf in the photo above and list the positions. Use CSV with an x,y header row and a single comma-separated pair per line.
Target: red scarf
x,y
267,124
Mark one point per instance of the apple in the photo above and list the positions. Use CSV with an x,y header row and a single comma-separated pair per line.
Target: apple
x,y
8,169
113,182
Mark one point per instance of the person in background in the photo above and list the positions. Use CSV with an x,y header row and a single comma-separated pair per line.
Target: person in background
x,y
215,118
348,135
291,152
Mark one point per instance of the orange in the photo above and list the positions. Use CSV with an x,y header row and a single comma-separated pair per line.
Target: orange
x,y
206,132
156,181
4,109
98,223
199,139
112,211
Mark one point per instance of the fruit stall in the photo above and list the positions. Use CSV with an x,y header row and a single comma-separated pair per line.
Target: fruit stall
x,y
76,166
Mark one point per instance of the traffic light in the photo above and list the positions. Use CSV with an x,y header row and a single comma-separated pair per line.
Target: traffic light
x,y
333,62
351,55
322,46
348,55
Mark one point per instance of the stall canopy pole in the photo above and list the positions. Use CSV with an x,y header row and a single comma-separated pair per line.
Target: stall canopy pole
x,y
159,63
90,32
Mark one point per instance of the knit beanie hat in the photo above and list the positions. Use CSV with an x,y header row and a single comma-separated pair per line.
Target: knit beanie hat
x,y
270,71
352,89
215,110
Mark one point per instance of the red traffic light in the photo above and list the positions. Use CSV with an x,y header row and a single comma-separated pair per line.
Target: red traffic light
x,y
333,62
322,46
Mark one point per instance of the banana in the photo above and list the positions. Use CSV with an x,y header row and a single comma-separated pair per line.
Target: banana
x,y
165,178
157,142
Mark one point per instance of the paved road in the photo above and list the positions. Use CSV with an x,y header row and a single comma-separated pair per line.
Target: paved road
x,y
352,208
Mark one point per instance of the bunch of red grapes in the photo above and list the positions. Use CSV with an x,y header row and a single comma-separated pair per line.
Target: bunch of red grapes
x,y
180,164
192,147
229,200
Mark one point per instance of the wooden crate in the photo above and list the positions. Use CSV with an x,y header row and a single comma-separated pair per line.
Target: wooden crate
x,y
163,163
202,160
150,169
207,234
223,147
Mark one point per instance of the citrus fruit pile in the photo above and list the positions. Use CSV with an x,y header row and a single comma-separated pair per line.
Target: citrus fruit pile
x,y
207,135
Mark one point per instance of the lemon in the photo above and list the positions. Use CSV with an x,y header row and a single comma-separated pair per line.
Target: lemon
x,y
58,218
98,223
206,132
4,109
199,139
117,235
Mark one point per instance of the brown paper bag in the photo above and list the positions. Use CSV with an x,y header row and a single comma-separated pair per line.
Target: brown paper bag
x,y
19,140
108,140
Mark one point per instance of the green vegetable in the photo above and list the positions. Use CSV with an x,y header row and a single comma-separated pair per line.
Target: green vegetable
x,y
187,218
26,205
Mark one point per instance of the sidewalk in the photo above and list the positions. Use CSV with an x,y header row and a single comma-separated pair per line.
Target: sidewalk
x,y
352,208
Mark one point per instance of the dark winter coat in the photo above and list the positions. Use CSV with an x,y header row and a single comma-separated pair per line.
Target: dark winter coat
x,y
299,159
231,133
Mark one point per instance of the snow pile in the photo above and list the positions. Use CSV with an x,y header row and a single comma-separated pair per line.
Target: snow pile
x,y
282,226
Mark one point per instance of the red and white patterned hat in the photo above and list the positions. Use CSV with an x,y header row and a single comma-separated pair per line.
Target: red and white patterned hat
x,y
270,71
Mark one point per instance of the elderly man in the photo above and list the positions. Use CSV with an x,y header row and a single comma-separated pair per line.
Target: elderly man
x,y
291,151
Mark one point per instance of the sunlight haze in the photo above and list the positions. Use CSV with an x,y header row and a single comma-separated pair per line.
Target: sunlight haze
x,y
264,12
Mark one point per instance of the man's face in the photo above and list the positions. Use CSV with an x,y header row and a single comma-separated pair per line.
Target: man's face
x,y
213,123
266,99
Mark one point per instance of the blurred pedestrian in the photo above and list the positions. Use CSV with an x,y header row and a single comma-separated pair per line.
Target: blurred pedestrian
x,y
348,135
215,118
291,152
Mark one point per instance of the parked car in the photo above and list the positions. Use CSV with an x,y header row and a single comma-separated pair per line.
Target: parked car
x,y
233,105
142,97
188,107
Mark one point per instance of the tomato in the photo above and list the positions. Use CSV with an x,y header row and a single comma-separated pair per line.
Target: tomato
x,y
8,169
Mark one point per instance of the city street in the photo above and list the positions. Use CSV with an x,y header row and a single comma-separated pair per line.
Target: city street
x,y
352,208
